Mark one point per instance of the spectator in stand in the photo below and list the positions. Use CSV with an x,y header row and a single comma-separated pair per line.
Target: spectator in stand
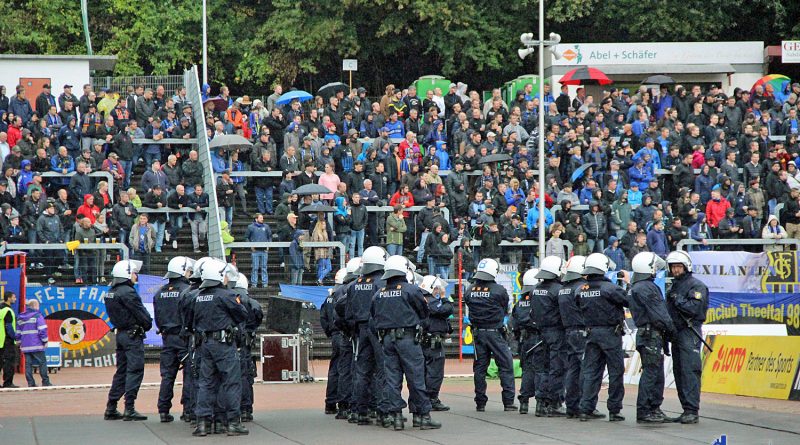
x,y
50,231
85,259
342,221
225,195
716,208
31,332
15,233
113,166
791,214
198,220
142,239
296,262
177,199
264,185
192,170
358,224
395,230
123,215
614,253
88,209
154,177
657,239
555,245
155,199
259,232
330,180
773,231
321,254
173,172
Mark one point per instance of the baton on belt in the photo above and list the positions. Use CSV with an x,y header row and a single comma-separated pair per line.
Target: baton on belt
x,y
697,334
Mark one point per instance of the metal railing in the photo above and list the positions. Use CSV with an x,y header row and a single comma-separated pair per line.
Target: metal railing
x,y
63,246
120,83
778,209
171,210
175,141
94,174
284,244
682,244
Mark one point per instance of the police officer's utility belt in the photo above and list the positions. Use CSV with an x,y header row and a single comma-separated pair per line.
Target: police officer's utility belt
x,y
133,332
650,329
400,333
171,331
223,336
474,328
433,340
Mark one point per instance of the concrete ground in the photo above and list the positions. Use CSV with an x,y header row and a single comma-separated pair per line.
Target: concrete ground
x,y
292,414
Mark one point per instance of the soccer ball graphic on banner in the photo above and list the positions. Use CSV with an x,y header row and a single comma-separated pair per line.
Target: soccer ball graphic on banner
x,y
72,331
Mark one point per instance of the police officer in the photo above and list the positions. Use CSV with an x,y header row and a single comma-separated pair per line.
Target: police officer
x,y
191,374
169,323
346,365
246,343
602,305
488,304
547,358
575,332
653,327
687,302
436,328
131,320
398,310
215,313
368,357
339,347
528,338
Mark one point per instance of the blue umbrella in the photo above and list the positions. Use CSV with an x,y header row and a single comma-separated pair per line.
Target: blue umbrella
x,y
299,95
578,173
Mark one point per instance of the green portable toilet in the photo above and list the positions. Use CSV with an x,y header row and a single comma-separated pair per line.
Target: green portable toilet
x,y
519,84
426,83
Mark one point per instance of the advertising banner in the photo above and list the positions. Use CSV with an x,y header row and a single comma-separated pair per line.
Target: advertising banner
x,y
752,366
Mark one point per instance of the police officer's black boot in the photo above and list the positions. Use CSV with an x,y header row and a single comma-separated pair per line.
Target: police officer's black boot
x,y
219,427
166,417
352,417
111,412
426,423
186,417
592,416
363,419
247,416
523,407
615,417
342,413
398,421
437,405
330,409
665,418
203,428
556,410
416,420
541,408
689,418
235,428
131,414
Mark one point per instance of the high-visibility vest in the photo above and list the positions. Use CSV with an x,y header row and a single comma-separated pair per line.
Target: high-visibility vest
x,y
3,312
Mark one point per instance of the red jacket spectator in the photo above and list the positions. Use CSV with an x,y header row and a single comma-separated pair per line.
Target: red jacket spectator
x,y
14,135
89,210
405,199
715,209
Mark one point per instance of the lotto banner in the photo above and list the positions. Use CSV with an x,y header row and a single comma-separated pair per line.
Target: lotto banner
x,y
751,287
76,318
753,366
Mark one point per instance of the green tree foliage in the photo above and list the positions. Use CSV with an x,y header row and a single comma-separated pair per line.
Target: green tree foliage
x,y
253,43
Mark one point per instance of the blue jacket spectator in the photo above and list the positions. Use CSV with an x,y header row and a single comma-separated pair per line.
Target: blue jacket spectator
x,y
634,195
258,233
395,129
614,253
657,240
700,231
586,195
640,174
70,136
21,108
703,184
532,220
218,162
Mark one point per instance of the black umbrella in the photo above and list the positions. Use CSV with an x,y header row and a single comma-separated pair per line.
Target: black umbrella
x,y
315,208
497,157
229,141
312,189
330,90
658,79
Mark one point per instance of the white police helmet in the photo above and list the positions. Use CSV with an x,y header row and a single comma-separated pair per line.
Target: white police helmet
x,y
198,267
353,268
645,265
124,270
178,267
598,264
373,260
529,280
339,277
680,257
394,266
550,269
574,268
231,273
214,270
487,270
429,282
241,282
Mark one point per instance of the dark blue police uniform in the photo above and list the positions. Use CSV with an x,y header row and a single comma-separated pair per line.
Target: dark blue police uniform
x,y
216,312
191,373
370,378
548,359
529,338
436,328
246,343
341,351
166,308
687,302
397,311
602,305
131,320
488,304
574,343
654,325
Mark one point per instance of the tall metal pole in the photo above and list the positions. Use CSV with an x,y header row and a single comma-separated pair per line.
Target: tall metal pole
x,y
85,19
205,47
541,131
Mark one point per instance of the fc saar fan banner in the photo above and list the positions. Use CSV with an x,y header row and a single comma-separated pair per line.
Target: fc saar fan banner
x,y
751,287
76,317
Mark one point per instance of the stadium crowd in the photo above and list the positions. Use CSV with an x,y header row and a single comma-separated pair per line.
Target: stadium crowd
x,y
626,172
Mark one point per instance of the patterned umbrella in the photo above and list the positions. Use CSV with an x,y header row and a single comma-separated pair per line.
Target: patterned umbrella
x,y
774,85
585,76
